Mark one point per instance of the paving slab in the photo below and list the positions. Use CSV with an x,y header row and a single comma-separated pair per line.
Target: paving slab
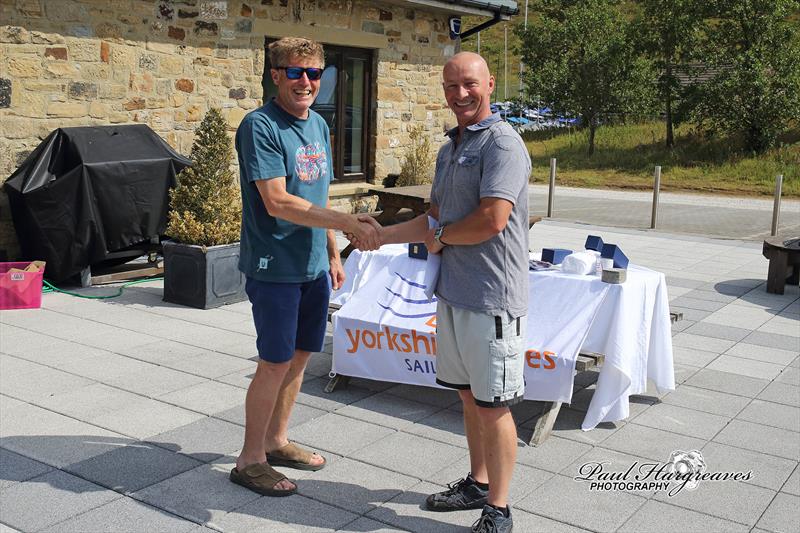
x,y
772,414
15,468
657,517
339,434
701,342
409,454
124,515
683,421
781,515
207,397
444,426
778,392
145,417
364,525
774,340
388,410
762,353
717,331
760,438
567,500
62,496
789,375
792,485
692,357
706,400
291,514
745,367
553,455
650,443
204,440
727,382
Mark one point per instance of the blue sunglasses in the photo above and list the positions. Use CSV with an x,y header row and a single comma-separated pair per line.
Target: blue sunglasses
x,y
295,73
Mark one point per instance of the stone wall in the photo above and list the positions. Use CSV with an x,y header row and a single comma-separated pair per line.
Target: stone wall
x,y
96,62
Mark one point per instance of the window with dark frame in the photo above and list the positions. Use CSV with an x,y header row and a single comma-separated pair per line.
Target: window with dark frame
x,y
344,102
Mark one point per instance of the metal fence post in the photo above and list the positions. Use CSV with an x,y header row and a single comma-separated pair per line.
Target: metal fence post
x,y
656,188
552,189
776,206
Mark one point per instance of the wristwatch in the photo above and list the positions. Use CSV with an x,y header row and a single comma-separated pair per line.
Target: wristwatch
x,y
437,235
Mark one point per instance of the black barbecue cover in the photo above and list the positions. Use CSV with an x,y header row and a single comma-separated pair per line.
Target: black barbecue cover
x,y
86,192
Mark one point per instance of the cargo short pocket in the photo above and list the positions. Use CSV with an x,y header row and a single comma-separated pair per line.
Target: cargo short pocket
x,y
507,365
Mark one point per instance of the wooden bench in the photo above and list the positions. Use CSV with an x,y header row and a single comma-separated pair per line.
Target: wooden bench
x,y
783,255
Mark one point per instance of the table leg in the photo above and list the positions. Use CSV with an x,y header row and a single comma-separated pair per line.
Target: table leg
x,y
544,424
335,381
776,275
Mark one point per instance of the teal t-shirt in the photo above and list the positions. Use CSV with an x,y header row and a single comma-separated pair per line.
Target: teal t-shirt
x,y
271,143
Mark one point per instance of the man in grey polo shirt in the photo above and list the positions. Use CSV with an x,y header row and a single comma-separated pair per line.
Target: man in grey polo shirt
x,y
480,198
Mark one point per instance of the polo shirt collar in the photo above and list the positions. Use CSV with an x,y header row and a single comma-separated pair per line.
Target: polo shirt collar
x,y
482,125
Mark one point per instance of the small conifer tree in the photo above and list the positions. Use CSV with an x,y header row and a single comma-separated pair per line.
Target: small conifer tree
x,y
206,206
417,164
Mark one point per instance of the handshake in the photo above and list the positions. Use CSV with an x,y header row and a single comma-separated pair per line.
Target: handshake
x,y
365,233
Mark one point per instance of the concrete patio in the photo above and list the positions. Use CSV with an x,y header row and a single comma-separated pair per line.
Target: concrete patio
x,y
126,415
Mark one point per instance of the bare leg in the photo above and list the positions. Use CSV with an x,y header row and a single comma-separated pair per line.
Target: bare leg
x,y
277,434
259,405
472,428
499,440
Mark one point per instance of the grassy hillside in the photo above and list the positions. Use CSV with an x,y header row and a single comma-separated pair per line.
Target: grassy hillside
x,y
626,155
492,52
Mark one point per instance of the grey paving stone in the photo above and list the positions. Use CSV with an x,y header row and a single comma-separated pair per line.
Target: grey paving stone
x,y
300,414
566,500
692,357
768,471
792,485
7,529
312,394
202,495
55,439
762,353
388,410
568,425
355,486
745,367
689,314
523,482
759,438
428,395
684,282
790,376
718,295
319,365
409,454
610,461
15,468
242,378
727,382
656,517
717,331
709,401
773,340
124,515
681,420
364,525
89,402
533,523
146,417
700,342
443,426
553,454
132,467
209,364
682,325
62,496
32,386
730,500
683,372
694,303
207,397
772,414
781,393
292,514
406,511
204,440
781,515
338,434
650,443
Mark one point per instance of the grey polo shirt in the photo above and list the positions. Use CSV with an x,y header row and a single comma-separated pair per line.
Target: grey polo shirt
x,y
490,161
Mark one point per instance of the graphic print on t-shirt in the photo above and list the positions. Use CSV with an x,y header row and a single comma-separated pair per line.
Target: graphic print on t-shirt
x,y
311,162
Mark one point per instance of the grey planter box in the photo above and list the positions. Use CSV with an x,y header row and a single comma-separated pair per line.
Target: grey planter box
x,y
202,277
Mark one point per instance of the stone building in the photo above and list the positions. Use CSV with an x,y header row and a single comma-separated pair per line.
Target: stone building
x,y
164,63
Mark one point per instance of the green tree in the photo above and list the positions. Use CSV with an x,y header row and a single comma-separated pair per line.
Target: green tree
x,y
668,32
753,52
206,206
582,62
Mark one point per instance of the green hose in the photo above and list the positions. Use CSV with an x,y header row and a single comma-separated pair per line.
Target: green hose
x,y
49,287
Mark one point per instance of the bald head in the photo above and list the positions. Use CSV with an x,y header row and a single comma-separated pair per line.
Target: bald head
x,y
468,88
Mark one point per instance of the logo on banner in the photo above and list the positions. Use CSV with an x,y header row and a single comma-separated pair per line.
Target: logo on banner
x,y
682,470
405,299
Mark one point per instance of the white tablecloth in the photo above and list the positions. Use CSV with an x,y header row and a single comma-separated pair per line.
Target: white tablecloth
x,y
385,330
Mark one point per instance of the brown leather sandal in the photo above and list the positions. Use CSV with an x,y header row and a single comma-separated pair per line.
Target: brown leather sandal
x,y
293,456
261,478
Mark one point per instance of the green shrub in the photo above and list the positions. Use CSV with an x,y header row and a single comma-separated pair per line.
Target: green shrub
x,y
206,206
417,166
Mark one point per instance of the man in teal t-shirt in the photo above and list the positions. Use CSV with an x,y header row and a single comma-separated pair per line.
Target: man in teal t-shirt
x,y
290,260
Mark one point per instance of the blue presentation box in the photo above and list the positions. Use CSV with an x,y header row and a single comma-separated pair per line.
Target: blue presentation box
x,y
593,242
612,251
555,256
417,250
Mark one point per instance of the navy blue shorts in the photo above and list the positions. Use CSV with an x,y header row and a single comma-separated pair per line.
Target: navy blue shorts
x,y
289,316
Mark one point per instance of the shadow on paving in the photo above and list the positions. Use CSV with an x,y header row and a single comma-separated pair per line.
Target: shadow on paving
x,y
202,495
